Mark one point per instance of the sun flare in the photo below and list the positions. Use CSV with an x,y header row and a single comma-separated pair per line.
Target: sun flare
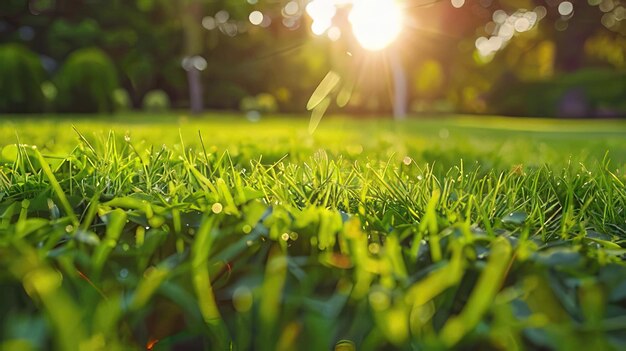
x,y
376,23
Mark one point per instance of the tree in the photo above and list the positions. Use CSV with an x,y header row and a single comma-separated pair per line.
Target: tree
x,y
191,17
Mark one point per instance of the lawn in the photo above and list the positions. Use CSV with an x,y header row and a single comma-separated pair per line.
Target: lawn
x,y
174,232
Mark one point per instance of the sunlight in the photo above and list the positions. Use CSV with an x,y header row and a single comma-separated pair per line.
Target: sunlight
x,y
376,23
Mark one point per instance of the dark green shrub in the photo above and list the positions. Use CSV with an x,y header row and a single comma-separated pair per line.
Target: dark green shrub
x,y
156,101
21,76
263,102
589,92
224,94
87,82
50,92
121,100
267,103
248,103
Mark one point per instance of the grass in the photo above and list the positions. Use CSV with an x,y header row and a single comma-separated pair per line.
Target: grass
x,y
216,233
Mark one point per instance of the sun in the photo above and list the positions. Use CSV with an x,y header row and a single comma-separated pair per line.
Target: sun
x,y
376,23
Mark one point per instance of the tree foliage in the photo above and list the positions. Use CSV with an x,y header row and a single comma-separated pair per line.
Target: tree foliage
x,y
148,39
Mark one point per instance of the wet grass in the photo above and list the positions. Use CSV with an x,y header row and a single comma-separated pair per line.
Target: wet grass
x,y
172,232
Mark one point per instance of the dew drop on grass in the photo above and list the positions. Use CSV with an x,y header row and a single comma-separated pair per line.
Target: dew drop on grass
x,y
87,237
515,218
69,228
373,248
249,242
217,208
285,236
54,210
246,229
123,274
407,160
293,236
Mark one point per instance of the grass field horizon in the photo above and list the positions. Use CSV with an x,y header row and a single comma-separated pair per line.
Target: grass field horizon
x,y
173,231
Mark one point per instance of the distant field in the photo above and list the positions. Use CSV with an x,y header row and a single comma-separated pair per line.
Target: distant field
x,y
178,232
497,140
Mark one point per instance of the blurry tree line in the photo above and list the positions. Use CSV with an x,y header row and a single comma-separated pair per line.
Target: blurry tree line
x,y
107,55
134,52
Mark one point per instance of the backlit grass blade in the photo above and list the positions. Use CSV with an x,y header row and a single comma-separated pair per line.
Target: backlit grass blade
x,y
482,296
271,297
152,278
202,282
439,280
44,284
115,225
429,223
57,188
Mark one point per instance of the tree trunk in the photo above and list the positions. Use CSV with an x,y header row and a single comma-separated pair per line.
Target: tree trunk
x,y
400,93
192,29
195,90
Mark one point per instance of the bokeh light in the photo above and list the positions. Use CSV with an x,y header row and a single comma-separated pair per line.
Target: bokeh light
x,y
292,8
209,23
458,3
504,27
566,8
256,17
322,13
194,62
334,33
222,16
320,26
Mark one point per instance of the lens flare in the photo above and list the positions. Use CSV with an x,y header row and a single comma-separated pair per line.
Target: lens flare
x,y
376,23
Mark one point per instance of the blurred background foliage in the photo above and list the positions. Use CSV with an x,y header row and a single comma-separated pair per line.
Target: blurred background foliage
x,y
21,77
87,82
514,57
